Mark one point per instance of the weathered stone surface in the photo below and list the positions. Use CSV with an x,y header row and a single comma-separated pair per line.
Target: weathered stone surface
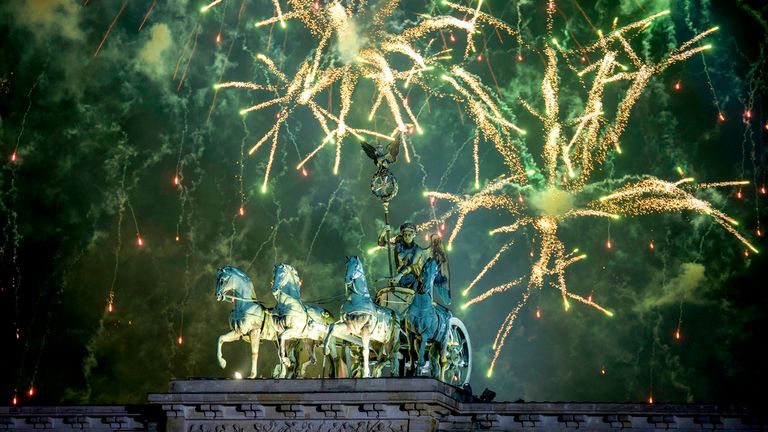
x,y
374,405
82,417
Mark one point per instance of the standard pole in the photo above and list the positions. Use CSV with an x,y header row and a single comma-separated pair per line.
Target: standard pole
x,y
389,246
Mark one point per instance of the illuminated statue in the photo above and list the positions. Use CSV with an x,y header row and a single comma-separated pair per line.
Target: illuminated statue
x,y
429,322
361,317
250,320
293,319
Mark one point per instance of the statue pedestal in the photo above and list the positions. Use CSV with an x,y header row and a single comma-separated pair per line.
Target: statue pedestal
x,y
383,404
408,404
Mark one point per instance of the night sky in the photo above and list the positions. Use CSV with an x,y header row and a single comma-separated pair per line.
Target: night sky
x,y
93,136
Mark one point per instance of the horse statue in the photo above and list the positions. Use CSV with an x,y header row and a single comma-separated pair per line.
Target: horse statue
x,y
250,320
361,317
293,319
426,321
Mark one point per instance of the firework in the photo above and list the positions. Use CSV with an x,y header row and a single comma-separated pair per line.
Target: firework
x,y
573,149
368,59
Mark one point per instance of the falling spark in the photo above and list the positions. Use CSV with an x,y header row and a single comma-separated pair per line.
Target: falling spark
x,y
139,241
13,157
677,334
180,340
31,391
651,245
721,117
15,400
146,16
176,180
238,375
650,399
241,212
110,308
538,313
111,26
677,85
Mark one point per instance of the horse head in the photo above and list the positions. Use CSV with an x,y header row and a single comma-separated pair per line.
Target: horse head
x,y
232,283
354,270
287,281
428,273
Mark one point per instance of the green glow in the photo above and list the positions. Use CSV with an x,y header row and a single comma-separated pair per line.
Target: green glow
x,y
450,248
576,250
680,170
216,86
373,250
609,313
464,306
615,216
243,111
490,371
264,188
707,46
282,24
530,172
426,193
618,150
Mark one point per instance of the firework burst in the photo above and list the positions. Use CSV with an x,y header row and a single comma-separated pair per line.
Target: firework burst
x,y
354,45
573,149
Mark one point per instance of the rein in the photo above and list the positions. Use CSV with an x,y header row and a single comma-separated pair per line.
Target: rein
x,y
227,296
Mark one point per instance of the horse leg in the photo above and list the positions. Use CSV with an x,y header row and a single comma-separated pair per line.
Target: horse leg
x,y
443,360
281,354
422,349
412,351
255,342
288,334
310,346
366,345
328,337
394,351
228,337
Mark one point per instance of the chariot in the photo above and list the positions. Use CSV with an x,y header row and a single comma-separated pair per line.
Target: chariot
x,y
458,366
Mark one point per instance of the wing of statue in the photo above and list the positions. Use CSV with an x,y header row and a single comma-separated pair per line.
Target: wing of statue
x,y
370,151
393,149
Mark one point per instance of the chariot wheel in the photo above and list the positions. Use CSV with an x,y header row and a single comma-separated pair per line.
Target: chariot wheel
x,y
458,367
